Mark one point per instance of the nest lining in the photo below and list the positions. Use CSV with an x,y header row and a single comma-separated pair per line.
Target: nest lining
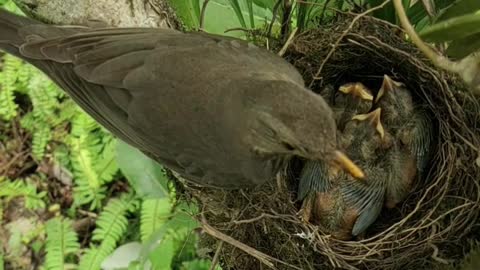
x,y
430,228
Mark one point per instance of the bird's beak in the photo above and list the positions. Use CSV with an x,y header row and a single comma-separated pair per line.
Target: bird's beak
x,y
387,85
357,89
374,118
341,160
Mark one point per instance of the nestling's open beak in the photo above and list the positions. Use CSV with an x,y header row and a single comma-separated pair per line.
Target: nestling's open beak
x,y
374,118
357,89
341,160
388,85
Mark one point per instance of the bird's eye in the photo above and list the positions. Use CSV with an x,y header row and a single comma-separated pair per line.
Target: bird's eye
x,y
288,146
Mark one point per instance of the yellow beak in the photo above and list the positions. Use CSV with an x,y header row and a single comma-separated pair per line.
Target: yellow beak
x,y
341,160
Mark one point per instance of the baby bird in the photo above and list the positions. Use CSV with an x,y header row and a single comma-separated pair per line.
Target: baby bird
x,y
413,132
350,99
396,103
409,157
344,207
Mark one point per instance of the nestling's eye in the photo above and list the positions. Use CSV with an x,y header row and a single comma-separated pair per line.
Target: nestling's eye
x,y
288,146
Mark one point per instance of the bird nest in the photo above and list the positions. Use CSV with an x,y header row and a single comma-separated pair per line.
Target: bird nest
x,y
251,229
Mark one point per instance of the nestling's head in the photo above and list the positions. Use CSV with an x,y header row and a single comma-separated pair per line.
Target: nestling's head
x,y
297,122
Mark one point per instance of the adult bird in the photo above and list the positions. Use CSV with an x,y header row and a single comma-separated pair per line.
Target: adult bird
x,y
217,110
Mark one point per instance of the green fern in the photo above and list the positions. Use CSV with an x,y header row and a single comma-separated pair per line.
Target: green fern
x,y
88,187
93,160
19,188
8,79
61,242
154,213
41,137
44,96
106,166
110,227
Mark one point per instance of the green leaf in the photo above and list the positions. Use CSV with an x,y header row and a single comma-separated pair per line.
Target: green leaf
x,y
188,11
309,11
459,8
267,4
162,257
386,13
179,222
145,175
417,12
225,17
453,29
155,212
198,264
250,13
460,48
122,257
61,241
238,11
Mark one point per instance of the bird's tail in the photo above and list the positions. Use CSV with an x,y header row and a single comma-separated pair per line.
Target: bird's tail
x,y
11,35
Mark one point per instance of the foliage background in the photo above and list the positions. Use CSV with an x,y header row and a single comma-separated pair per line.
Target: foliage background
x,y
73,197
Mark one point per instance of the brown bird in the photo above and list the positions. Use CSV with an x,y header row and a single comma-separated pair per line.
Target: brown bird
x,y
413,131
345,207
350,99
219,111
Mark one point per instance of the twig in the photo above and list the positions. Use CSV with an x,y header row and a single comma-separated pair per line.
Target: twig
x,y
257,218
202,14
335,46
216,257
237,29
7,166
87,213
262,257
288,42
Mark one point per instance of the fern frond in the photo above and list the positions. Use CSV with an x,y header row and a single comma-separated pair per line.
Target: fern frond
x,y
41,137
8,107
19,188
28,121
43,93
82,124
110,227
88,188
61,241
154,213
8,80
106,166
93,258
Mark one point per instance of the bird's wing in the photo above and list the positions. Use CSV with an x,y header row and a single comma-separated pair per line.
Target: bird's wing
x,y
422,138
313,178
367,198
159,90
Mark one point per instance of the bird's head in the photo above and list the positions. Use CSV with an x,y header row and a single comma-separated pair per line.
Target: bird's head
x,y
364,134
297,122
